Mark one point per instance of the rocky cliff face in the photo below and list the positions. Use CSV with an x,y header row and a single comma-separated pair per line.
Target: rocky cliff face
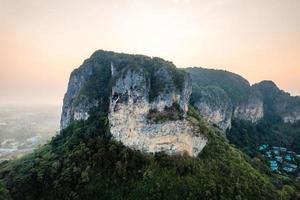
x,y
279,103
214,105
222,96
223,113
251,110
220,116
129,110
88,89
136,87
80,111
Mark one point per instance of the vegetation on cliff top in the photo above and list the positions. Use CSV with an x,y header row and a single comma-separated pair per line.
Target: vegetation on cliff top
x,y
169,113
236,87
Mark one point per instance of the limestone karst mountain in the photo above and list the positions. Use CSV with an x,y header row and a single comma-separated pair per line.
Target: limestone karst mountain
x,y
137,92
131,129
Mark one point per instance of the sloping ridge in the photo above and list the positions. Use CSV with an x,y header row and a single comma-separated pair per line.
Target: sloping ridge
x,y
222,97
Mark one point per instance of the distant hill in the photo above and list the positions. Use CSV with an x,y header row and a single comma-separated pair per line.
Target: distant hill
x,y
252,115
236,87
279,102
222,96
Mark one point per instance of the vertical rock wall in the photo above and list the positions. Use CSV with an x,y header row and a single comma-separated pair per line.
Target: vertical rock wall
x,y
129,123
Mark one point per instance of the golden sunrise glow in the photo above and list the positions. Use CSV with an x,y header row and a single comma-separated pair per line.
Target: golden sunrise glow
x,y
42,41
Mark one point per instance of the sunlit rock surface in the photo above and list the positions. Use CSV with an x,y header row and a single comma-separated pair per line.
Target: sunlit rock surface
x,y
129,123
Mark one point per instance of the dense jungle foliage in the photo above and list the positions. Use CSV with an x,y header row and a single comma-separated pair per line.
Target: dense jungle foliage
x,y
226,84
273,131
84,163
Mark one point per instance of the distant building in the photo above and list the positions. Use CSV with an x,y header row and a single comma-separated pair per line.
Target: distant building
x,y
288,169
268,154
276,148
288,157
273,165
274,168
292,166
290,152
279,159
283,149
263,147
276,152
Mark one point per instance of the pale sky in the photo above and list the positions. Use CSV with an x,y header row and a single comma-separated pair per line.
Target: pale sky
x,y
42,41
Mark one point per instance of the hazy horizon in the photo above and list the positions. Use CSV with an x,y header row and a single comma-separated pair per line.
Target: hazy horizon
x,y
43,41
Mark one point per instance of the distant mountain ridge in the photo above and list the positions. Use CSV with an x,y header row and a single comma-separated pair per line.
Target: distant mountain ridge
x,y
279,102
222,96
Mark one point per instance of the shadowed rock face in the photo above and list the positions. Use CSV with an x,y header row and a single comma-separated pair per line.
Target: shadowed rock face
x,y
215,106
251,110
280,103
223,113
76,82
130,87
221,96
88,89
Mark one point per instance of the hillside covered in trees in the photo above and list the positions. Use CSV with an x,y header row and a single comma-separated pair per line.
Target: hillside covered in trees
x,y
85,161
